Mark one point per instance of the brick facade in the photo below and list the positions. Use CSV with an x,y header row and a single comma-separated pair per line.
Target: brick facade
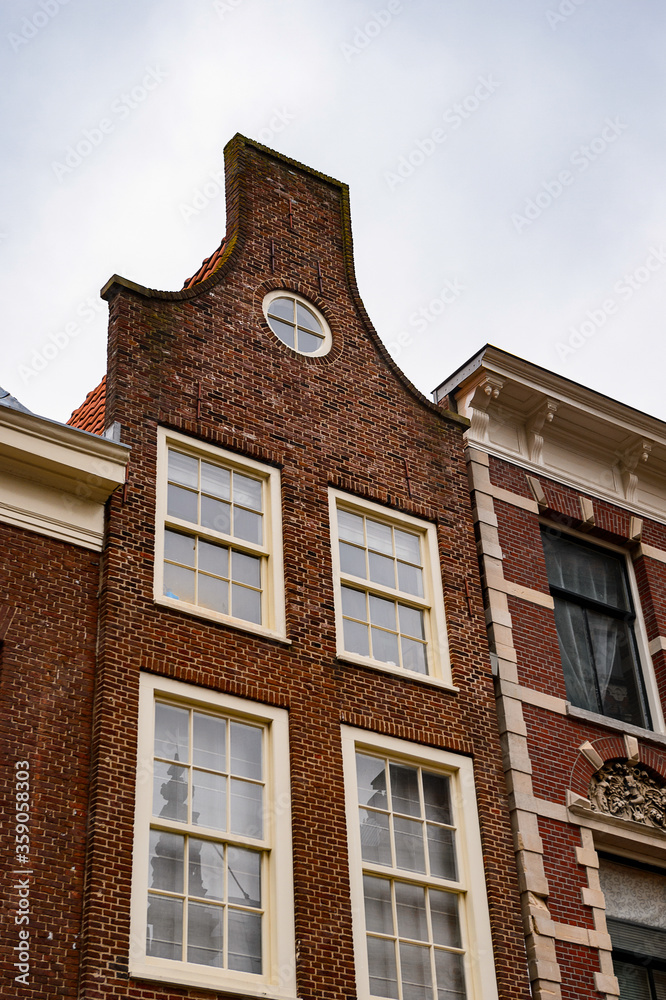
x,y
203,363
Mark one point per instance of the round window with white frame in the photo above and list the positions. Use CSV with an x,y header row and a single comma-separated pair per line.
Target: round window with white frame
x,y
297,323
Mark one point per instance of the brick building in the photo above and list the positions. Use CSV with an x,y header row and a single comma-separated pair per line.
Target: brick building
x,y
296,777
54,482
569,494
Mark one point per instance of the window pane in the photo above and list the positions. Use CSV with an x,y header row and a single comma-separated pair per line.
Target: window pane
x,y
244,941
350,527
209,802
164,930
437,798
352,560
409,851
353,604
178,583
444,917
371,779
579,676
245,751
209,742
172,732
415,972
375,841
182,504
442,852
244,883
283,308
215,480
450,976
247,491
307,319
410,579
411,621
205,934
405,790
213,594
283,331
245,569
381,569
382,612
216,514
659,985
248,525
246,808
379,536
633,980
356,638
407,546
308,343
179,548
586,571
183,469
246,604
378,909
414,655
166,861
382,968
616,667
206,869
213,558
411,909
170,792
385,647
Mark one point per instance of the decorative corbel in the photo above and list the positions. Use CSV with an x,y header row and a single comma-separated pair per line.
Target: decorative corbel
x,y
628,463
486,389
543,414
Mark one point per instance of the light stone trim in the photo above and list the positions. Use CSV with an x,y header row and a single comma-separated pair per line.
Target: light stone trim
x,y
657,644
587,512
591,755
651,552
543,968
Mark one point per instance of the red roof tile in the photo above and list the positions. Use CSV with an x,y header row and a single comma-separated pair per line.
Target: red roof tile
x,y
209,265
89,416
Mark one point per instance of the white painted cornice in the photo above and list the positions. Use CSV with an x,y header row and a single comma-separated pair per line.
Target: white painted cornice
x,y
556,428
55,479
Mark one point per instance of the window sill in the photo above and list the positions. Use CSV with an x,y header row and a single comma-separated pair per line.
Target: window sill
x,y
218,619
214,980
405,675
620,727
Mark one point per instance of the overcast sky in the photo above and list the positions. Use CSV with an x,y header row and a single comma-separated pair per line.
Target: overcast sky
x,y
506,162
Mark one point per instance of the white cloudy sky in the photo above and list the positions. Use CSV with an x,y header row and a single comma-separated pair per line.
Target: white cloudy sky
x,y
571,89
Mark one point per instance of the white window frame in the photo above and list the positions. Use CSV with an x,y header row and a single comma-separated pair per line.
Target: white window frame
x,y
278,979
432,603
273,622
642,646
285,293
479,963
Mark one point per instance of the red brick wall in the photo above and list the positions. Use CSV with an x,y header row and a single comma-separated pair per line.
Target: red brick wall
x,y
348,420
46,692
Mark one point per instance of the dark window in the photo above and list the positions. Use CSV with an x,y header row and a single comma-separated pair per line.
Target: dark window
x,y
594,616
639,960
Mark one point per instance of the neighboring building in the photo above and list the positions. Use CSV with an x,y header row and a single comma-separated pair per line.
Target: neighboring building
x,y
297,783
54,483
569,494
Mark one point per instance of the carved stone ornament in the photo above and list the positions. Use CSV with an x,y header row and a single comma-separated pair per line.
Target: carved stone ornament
x,y
627,791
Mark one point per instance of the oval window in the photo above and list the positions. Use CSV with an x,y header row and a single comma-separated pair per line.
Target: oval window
x,y
297,323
